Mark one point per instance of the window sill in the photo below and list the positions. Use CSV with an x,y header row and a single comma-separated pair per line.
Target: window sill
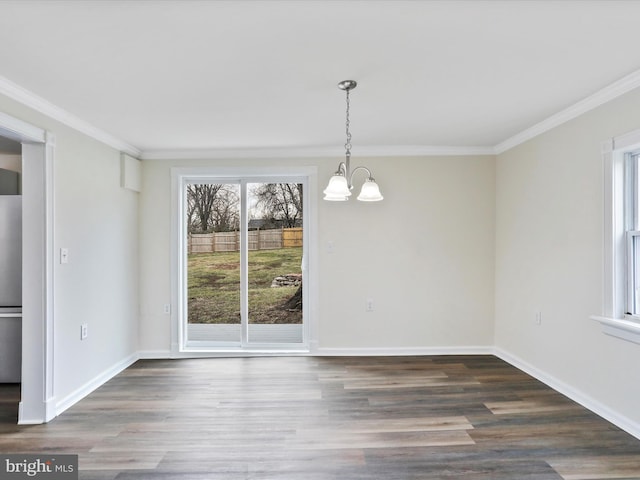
x,y
624,329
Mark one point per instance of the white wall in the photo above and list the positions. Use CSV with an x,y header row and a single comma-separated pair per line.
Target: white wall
x,y
549,240
425,254
97,221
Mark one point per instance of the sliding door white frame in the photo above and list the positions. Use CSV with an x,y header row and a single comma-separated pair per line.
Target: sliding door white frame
x,y
180,177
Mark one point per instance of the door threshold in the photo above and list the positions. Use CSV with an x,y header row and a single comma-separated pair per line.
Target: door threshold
x,y
240,352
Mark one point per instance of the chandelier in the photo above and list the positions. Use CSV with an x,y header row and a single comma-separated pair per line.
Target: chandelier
x,y
340,184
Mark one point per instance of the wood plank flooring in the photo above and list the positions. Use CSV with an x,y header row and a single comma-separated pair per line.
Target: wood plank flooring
x,y
304,418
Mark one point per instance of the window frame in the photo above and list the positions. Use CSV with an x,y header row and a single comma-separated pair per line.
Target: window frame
x,y
614,319
633,275
632,233
182,175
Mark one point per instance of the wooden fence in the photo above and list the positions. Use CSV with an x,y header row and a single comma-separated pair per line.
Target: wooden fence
x,y
292,237
258,240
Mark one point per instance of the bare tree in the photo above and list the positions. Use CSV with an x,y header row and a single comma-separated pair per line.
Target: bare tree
x,y
200,199
280,201
226,214
212,208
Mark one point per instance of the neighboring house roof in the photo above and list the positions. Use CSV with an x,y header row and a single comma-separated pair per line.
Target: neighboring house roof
x,y
269,224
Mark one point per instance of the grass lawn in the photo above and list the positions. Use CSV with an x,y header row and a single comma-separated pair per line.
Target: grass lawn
x,y
214,286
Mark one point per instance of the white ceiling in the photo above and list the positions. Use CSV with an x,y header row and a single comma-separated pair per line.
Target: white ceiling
x,y
195,75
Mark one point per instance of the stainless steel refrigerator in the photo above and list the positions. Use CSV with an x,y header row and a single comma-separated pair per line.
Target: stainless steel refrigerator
x,y
10,288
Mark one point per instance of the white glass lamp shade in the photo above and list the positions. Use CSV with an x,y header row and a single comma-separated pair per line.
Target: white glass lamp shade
x,y
338,189
370,192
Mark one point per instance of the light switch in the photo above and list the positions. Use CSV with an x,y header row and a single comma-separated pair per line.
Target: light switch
x,y
64,255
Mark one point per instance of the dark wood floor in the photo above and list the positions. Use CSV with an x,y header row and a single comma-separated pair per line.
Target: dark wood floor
x,y
304,418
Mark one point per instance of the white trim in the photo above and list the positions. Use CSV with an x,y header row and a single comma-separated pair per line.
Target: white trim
x,y
401,351
606,146
37,389
314,152
608,93
421,151
248,153
614,243
179,175
322,352
154,355
631,239
583,399
39,104
20,131
24,420
50,409
240,353
49,412
244,267
626,141
49,282
619,328
236,172
96,382
130,173
175,295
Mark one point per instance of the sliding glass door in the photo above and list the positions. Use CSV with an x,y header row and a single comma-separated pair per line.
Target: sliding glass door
x,y
244,274
275,253
212,218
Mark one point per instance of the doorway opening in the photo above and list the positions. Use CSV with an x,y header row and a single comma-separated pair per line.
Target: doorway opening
x,y
10,278
37,401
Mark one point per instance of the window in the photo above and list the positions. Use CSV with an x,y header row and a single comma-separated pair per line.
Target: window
x,y
620,315
632,232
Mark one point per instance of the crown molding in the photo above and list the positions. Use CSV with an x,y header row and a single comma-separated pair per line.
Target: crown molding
x,y
423,150
608,93
228,153
314,152
39,104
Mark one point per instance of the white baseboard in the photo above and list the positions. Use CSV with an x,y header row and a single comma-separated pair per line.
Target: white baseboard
x,y
321,352
49,414
50,411
402,351
77,395
26,421
154,354
577,396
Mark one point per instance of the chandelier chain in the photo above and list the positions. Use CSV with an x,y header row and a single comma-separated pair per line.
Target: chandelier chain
x,y
347,145
340,184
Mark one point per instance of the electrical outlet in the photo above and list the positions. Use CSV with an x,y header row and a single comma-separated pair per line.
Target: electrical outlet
x,y
167,308
369,305
538,318
84,331
331,246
